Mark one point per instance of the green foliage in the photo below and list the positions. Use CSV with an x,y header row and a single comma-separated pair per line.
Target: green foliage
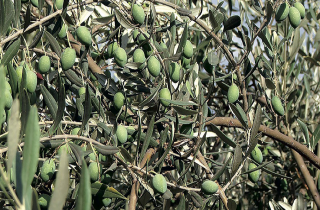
x,y
143,91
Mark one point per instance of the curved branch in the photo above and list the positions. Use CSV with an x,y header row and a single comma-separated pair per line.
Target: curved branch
x,y
276,135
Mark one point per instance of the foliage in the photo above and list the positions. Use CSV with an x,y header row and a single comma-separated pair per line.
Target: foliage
x,y
159,104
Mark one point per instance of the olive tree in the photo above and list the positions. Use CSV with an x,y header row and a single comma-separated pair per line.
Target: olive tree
x,y
159,104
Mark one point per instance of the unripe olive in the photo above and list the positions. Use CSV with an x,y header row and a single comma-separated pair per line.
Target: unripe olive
x,y
7,86
31,81
35,3
209,187
301,9
44,64
294,17
122,134
106,178
64,147
63,31
186,62
111,48
84,35
94,171
159,183
138,14
81,91
188,50
233,93
254,176
277,105
282,12
68,58
163,45
257,155
120,57
154,66
58,4
75,131
31,77
138,56
106,202
174,72
4,116
47,170
135,34
164,94
143,37
44,200
8,99
118,100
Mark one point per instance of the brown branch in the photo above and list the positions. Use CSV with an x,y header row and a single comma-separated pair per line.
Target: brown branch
x,y
308,178
135,187
276,135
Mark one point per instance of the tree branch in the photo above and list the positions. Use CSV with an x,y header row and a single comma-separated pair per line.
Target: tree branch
x,y
276,135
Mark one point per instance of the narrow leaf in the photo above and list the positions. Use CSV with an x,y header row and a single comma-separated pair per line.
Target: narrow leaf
x,y
50,101
148,138
31,149
150,97
83,201
14,127
223,136
53,43
237,159
61,107
304,129
236,112
11,52
62,184
87,109
220,172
